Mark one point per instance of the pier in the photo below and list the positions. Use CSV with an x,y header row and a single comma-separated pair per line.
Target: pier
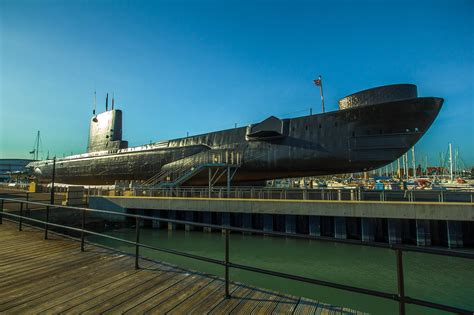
x,y
55,276
13,247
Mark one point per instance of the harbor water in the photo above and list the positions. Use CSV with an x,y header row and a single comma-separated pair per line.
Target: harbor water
x,y
446,280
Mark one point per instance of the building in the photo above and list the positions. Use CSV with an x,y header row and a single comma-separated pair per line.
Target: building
x,y
11,167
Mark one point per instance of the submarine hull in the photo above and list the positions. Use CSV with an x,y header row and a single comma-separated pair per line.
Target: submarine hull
x,y
353,139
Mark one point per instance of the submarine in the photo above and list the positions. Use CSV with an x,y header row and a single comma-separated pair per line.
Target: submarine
x,y
371,128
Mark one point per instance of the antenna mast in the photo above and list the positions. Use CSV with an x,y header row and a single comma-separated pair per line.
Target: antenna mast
x,y
95,102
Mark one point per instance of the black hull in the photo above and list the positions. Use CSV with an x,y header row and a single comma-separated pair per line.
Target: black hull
x,y
346,141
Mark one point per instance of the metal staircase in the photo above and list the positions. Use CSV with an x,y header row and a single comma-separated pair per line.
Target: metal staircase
x,y
217,162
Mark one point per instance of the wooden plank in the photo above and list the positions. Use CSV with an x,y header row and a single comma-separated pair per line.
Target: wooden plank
x,y
267,306
212,300
99,266
45,269
214,290
82,295
54,276
286,305
13,244
134,301
162,295
23,265
60,303
29,236
86,263
131,293
327,309
168,304
35,272
40,254
26,299
135,279
305,306
248,303
227,305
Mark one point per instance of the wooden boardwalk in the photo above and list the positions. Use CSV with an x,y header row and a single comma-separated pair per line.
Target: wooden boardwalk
x,y
40,276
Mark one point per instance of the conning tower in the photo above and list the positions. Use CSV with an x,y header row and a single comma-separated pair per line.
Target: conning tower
x,y
105,132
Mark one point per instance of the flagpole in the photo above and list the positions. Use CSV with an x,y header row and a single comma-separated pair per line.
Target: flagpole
x,y
321,90
319,82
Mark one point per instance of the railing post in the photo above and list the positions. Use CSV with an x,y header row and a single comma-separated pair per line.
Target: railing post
x,y
20,221
27,199
52,181
227,295
400,282
1,213
137,240
46,225
83,226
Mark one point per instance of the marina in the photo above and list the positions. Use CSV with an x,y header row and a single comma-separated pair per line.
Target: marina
x,y
235,157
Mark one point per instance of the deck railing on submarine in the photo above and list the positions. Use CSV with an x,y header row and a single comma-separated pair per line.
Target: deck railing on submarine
x,y
399,296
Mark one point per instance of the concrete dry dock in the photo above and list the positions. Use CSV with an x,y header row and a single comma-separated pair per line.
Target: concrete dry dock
x,y
448,224
54,276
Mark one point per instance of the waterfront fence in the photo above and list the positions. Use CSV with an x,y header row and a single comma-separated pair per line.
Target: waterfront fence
x,y
400,296
242,192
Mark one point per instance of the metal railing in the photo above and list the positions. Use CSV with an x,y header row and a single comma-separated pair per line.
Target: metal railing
x,y
400,296
243,192
289,194
192,164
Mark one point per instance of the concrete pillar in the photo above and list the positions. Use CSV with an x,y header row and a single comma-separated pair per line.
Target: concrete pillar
x,y
155,223
247,220
423,233
340,227
290,223
314,224
189,217
225,220
394,231
268,222
172,216
142,221
353,193
74,196
454,234
207,219
367,229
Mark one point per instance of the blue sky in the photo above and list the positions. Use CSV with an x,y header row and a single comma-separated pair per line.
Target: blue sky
x,y
198,66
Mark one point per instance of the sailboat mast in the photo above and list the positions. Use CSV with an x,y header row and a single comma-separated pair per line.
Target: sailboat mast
x,y
37,145
399,173
408,165
456,162
426,165
451,162
413,161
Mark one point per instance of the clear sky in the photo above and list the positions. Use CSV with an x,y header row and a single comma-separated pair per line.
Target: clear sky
x,y
198,66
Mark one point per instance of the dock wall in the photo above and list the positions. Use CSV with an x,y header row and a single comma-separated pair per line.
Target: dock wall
x,y
417,223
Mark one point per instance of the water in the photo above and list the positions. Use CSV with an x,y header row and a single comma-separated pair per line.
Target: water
x,y
439,279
